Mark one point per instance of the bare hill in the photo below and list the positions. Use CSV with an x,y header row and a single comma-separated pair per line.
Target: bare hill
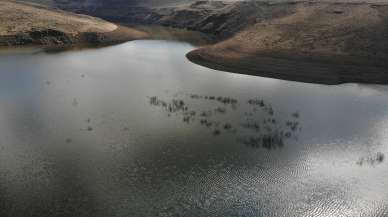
x,y
22,23
312,42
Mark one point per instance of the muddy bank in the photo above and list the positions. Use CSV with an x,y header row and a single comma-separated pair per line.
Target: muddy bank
x,y
288,69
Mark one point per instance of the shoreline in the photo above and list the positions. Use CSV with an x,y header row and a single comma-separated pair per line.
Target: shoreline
x,y
292,70
53,38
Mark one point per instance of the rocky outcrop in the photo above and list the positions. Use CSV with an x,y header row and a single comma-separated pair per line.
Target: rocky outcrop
x,y
220,18
47,36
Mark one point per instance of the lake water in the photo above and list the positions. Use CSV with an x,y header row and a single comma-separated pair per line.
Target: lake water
x,y
138,130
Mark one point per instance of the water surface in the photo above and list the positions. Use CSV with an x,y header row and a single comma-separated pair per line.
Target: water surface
x,y
137,130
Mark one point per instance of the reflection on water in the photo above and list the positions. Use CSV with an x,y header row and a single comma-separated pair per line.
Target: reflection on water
x,y
258,126
168,33
137,130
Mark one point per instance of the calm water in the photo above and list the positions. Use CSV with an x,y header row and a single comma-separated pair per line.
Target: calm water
x,y
137,130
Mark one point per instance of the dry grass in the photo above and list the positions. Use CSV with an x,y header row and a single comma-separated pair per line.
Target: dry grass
x,y
27,23
19,17
352,37
319,28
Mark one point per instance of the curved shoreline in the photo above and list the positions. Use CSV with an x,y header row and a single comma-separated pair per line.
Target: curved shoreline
x,y
293,70
309,41
119,35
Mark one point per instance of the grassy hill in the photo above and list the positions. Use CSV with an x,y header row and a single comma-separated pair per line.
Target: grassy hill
x,y
316,42
22,24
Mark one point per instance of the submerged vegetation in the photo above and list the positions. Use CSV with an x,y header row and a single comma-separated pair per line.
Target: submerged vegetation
x,y
371,160
257,126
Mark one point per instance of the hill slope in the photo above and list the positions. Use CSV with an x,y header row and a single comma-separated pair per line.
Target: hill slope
x,y
323,41
312,42
22,23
